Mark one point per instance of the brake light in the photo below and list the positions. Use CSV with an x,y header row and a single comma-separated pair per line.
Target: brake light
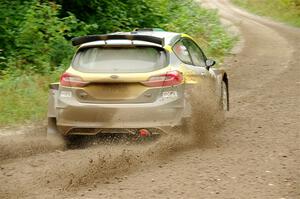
x,y
70,80
169,79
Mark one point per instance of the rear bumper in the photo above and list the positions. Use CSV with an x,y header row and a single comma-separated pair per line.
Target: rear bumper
x,y
160,114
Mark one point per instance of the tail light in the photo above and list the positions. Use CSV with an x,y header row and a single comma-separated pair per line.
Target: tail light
x,y
169,79
70,80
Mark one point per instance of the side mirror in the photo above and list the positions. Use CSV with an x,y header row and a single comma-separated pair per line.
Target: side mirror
x,y
209,63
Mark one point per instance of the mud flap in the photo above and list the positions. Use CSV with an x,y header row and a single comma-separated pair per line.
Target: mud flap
x,y
53,134
52,127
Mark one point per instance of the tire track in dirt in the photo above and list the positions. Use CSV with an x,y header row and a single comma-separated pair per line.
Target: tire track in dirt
x,y
20,143
20,147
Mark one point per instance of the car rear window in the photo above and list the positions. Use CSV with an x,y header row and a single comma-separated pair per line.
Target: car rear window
x,y
120,59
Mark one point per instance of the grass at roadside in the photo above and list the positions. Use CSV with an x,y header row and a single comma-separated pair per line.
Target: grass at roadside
x,y
287,11
24,98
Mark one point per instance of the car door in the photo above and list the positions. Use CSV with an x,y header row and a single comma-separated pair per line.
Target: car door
x,y
194,71
191,55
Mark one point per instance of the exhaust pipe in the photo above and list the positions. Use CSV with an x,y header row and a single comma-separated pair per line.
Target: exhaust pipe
x,y
144,133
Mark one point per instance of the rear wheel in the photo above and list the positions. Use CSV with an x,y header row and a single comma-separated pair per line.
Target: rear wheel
x,y
224,100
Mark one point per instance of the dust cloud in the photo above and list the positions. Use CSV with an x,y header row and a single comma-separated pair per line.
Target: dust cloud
x,y
26,145
111,161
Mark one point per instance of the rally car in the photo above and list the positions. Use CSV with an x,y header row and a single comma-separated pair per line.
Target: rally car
x,y
130,82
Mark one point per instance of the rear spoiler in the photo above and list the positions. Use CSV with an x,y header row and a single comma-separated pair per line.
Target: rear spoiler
x,y
90,38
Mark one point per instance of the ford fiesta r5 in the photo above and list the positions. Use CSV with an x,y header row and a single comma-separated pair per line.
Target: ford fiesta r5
x,y
130,82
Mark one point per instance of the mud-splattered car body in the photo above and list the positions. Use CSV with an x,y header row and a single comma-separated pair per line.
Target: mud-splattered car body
x,y
128,81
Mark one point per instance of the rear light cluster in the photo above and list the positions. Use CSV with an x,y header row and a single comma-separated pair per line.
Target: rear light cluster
x,y
70,80
169,79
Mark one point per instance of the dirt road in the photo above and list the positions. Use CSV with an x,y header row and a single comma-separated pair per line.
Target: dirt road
x,y
255,154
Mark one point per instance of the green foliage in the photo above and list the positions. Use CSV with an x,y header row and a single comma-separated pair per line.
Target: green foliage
x,y
283,10
172,15
113,15
9,24
204,25
41,43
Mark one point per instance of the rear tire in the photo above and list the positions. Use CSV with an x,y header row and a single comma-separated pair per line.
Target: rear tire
x,y
224,99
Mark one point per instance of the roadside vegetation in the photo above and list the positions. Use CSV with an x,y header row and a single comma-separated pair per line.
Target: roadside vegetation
x,y
35,42
287,11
